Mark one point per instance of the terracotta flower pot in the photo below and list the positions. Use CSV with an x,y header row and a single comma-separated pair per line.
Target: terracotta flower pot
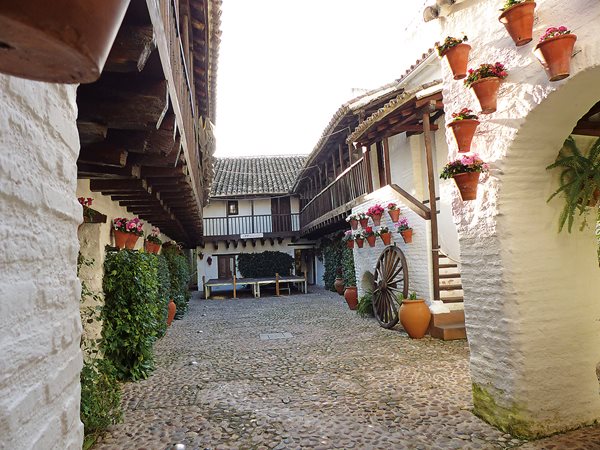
x,y
350,244
555,55
415,317
486,91
364,223
594,200
371,240
152,247
376,219
120,238
467,185
464,130
394,215
407,236
354,224
64,41
360,242
172,311
518,21
457,58
351,296
339,285
386,238
131,241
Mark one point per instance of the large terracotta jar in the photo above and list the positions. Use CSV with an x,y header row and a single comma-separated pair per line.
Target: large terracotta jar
x,y
120,238
555,55
464,130
131,241
518,21
486,91
394,214
386,238
171,312
351,296
339,285
458,57
467,185
415,317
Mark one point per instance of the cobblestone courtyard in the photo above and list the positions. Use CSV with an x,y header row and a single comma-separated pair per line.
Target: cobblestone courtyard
x,y
304,372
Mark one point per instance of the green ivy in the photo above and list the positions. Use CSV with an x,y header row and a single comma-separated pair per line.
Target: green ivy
x,y
164,291
348,271
180,278
130,313
264,264
332,261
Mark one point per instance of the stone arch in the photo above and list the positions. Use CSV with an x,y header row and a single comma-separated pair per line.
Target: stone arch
x,y
532,295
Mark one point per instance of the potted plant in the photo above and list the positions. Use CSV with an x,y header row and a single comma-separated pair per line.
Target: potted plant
x,y
457,54
338,284
517,18
135,230
405,230
369,235
414,315
352,219
554,51
579,181
120,232
375,212
153,241
363,219
385,235
463,125
393,211
465,172
359,239
350,293
348,239
485,82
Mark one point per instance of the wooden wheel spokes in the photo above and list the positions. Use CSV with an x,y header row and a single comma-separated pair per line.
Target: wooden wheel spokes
x,y
391,280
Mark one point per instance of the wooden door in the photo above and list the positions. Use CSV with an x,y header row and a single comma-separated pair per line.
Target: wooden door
x,y
281,211
226,266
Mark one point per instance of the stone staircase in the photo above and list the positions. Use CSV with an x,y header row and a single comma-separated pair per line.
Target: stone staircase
x,y
448,319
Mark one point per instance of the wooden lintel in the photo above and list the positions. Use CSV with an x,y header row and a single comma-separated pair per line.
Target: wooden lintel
x,y
103,154
158,172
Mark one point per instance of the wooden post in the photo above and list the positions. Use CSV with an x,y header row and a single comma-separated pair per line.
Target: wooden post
x,y
277,284
305,283
349,155
341,155
234,286
386,158
433,206
368,175
333,163
204,286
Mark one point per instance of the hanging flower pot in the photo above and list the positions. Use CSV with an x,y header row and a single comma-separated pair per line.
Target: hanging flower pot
x,y
120,239
465,172
131,241
394,212
364,223
171,312
152,247
376,219
554,51
351,296
354,224
457,55
386,237
59,42
464,125
371,240
339,285
485,83
348,239
467,185
360,242
375,212
350,244
407,235
415,316
518,21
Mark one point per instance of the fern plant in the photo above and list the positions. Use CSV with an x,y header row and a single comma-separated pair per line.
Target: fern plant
x,y
579,181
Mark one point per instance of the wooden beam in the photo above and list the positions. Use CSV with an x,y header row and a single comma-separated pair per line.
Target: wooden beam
x,y
433,208
103,154
368,174
85,170
386,158
91,132
131,49
341,156
118,185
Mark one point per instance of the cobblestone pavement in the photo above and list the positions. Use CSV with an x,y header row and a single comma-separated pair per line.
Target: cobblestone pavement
x,y
304,372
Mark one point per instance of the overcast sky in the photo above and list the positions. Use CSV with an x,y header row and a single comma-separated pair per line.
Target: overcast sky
x,y
286,66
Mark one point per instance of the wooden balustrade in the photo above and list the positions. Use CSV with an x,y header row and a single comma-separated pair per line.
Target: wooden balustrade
x,y
267,224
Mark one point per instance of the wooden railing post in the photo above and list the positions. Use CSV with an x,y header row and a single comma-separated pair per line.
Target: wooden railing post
x,y
277,284
234,286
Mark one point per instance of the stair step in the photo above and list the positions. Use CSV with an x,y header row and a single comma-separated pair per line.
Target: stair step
x,y
455,299
450,287
455,317
450,275
448,265
449,332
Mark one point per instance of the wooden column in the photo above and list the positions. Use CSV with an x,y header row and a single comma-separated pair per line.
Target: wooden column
x,y
277,284
320,179
333,163
432,204
368,175
386,157
341,155
350,148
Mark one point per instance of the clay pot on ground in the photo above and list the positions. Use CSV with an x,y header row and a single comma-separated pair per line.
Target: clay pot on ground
x,y
120,238
464,130
371,240
152,247
354,224
415,317
467,185
555,55
360,242
518,21
486,91
339,285
407,236
376,219
394,214
132,239
350,244
457,58
59,42
386,238
171,312
364,223
351,296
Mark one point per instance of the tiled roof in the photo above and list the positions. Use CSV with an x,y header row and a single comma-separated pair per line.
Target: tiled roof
x,y
255,175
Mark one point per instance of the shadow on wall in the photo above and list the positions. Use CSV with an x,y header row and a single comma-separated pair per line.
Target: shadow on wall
x,y
367,282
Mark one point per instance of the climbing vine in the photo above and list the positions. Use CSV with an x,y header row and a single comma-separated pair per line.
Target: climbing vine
x,y
332,261
180,277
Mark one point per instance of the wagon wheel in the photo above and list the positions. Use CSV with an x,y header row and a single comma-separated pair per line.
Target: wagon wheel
x,y
391,279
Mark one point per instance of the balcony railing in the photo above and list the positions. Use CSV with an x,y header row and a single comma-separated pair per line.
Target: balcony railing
x,y
350,184
268,224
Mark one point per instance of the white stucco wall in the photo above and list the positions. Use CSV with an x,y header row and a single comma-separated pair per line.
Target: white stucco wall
x,y
531,294
40,358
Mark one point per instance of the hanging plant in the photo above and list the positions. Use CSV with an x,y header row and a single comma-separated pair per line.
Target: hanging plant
x,y
579,182
405,230
465,172
457,54
517,18
485,82
463,125
554,51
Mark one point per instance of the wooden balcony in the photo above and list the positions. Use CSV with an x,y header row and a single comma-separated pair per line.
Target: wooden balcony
x,y
255,227
328,207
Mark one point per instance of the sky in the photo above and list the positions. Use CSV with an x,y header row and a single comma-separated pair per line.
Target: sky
x,y
286,66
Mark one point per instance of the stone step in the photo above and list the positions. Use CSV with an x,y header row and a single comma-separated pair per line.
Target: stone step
x,y
453,271
448,332
455,317
454,299
447,293
453,285
450,274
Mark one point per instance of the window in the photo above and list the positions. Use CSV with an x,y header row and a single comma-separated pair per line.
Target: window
x,y
232,208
